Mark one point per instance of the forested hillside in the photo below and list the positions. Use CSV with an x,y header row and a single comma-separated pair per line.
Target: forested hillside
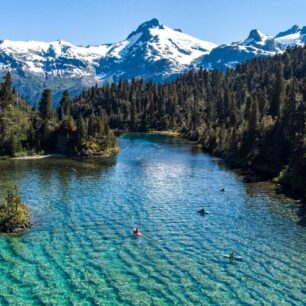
x,y
27,131
253,116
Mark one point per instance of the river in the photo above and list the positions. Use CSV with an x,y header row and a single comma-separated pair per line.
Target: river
x,y
81,250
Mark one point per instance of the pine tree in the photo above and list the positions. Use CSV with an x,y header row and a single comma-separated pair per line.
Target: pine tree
x,y
45,105
304,89
291,116
92,125
14,145
133,115
277,100
6,89
64,109
254,118
81,129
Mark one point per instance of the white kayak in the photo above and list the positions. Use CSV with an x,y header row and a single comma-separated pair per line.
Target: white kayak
x,y
201,212
236,257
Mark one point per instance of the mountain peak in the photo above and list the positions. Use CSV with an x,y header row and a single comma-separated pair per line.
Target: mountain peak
x,y
294,29
153,23
256,35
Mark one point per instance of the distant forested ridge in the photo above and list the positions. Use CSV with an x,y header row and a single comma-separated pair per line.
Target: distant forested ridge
x,y
253,116
27,131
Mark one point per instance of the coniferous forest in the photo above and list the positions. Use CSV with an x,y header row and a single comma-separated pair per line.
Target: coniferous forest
x,y
25,130
253,116
165,167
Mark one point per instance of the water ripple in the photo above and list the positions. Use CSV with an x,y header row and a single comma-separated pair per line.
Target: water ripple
x,y
81,251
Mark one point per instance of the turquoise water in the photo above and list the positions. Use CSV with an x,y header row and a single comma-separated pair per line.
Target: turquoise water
x,y
81,251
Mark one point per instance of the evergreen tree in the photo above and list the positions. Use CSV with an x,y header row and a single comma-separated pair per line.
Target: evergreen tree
x,y
81,129
45,105
64,109
277,92
6,89
133,116
304,89
254,118
253,115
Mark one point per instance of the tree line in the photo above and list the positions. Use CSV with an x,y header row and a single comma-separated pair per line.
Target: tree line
x,y
27,130
253,116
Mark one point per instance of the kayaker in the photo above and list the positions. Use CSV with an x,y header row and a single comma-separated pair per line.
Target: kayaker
x,y
202,211
136,231
232,256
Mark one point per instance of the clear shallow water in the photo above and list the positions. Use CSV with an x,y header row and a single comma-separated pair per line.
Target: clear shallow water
x,y
81,250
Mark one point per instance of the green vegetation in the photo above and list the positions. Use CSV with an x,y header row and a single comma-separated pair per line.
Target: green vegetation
x,y
14,215
26,131
253,116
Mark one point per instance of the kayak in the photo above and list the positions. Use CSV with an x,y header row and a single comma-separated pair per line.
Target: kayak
x,y
202,212
236,257
136,233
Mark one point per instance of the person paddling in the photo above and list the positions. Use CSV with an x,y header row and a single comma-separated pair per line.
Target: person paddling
x,y
136,231
202,211
232,256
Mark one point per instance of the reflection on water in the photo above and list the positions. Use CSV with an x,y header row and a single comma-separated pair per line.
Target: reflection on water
x,y
81,250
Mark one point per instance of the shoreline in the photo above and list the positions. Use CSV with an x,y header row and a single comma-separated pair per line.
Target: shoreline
x,y
171,133
249,175
34,157
165,133
108,153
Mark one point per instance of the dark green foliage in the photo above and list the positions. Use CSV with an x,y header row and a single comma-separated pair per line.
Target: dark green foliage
x,y
45,104
9,208
277,91
64,109
253,116
14,215
6,89
81,129
25,131
15,123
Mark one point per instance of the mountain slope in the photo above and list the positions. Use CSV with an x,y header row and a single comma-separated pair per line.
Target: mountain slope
x,y
253,116
256,44
153,51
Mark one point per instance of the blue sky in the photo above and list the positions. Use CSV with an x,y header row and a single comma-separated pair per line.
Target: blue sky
x,y
98,21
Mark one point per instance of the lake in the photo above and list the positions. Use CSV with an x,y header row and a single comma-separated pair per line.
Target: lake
x,y
81,250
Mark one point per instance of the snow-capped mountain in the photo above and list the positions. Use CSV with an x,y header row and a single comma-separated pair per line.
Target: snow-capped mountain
x,y
58,65
58,58
255,45
153,51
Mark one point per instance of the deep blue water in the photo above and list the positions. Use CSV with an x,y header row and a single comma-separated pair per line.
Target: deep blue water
x,y
81,251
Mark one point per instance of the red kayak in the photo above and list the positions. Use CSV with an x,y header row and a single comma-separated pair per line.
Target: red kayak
x,y
136,232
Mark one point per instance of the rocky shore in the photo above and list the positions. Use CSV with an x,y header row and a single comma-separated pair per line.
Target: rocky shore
x,y
15,228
